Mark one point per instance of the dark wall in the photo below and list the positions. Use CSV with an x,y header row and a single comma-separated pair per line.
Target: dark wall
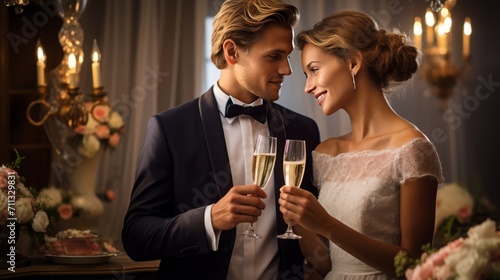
x,y
473,112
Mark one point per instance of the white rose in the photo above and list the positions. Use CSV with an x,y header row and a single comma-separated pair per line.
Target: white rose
x,y
483,230
40,222
50,197
89,146
115,120
23,190
24,212
3,201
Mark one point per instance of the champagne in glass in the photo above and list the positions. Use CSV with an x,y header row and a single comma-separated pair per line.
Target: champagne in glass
x,y
294,164
262,168
263,159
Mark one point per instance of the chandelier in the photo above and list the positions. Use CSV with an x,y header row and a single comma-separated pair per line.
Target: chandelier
x,y
18,4
438,69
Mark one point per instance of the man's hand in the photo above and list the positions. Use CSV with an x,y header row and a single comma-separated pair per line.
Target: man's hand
x,y
242,204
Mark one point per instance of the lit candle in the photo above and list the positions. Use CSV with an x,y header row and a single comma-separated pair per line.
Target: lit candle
x,y
466,38
430,21
72,70
447,30
40,64
441,37
417,32
96,68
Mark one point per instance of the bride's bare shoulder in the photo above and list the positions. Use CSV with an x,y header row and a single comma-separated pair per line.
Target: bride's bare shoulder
x,y
332,146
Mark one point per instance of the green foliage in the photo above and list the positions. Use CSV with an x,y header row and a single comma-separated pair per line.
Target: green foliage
x,y
16,164
402,261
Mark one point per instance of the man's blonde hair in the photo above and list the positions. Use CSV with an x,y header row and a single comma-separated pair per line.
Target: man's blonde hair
x,y
244,20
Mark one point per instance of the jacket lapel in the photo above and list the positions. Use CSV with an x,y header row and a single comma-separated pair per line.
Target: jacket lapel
x,y
216,144
277,129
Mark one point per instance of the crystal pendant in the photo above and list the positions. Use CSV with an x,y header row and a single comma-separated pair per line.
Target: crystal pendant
x,y
437,5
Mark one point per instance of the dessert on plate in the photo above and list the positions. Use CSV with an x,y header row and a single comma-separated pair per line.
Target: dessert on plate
x,y
73,242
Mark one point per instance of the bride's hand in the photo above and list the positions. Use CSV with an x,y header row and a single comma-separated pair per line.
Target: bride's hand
x,y
301,206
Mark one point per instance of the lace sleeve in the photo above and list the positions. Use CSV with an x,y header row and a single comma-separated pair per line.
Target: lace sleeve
x,y
419,158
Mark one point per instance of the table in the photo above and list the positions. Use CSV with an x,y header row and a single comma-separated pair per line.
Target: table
x,y
120,267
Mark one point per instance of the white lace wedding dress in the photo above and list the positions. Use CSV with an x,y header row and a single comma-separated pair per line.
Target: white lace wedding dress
x,y
361,189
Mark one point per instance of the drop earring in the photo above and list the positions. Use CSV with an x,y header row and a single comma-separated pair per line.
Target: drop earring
x,y
353,80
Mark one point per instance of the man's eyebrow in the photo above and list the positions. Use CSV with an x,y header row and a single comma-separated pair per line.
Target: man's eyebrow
x,y
277,51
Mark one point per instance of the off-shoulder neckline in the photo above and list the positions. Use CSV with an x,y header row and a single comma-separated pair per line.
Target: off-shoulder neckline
x,y
363,152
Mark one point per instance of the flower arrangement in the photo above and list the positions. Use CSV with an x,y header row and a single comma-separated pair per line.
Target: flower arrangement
x,y
474,257
18,203
37,213
103,127
453,200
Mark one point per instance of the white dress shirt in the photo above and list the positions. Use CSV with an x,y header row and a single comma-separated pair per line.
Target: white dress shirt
x,y
251,258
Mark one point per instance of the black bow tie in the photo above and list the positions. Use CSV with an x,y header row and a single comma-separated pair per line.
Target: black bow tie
x,y
257,112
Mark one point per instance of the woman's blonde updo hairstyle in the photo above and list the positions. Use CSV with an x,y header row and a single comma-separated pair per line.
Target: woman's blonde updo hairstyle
x,y
388,55
244,20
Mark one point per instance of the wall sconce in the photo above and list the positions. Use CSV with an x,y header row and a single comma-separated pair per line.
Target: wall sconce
x,y
75,123
61,97
437,68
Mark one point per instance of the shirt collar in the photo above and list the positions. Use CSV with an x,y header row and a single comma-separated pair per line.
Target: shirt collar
x,y
222,98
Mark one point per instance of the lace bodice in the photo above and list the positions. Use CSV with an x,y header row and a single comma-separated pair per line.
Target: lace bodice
x,y
361,189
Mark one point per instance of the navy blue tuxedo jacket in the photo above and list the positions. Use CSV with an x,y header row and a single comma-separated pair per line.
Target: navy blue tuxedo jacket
x,y
183,167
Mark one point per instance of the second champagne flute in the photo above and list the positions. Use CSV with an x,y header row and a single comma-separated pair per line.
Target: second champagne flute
x,y
294,165
264,157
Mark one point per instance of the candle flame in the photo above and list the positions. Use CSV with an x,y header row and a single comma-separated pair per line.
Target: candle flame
x,y
39,51
441,29
445,12
96,55
417,26
467,27
447,24
429,18
40,54
72,61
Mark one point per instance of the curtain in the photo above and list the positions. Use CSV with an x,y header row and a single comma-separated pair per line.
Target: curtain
x,y
148,66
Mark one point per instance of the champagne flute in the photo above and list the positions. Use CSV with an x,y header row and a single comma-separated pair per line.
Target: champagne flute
x,y
263,159
294,164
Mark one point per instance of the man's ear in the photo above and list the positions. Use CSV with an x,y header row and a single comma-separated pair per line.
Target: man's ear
x,y
355,63
230,51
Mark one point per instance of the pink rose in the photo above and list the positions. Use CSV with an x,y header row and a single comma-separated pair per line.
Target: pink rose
x,y
426,270
414,274
80,129
65,211
8,171
464,213
102,132
110,195
101,113
114,139
455,243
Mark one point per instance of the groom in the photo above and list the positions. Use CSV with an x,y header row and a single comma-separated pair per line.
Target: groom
x,y
193,196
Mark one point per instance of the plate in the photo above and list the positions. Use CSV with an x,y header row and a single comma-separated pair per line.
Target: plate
x,y
64,259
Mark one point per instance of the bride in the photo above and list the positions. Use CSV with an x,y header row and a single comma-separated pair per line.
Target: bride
x,y
377,183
